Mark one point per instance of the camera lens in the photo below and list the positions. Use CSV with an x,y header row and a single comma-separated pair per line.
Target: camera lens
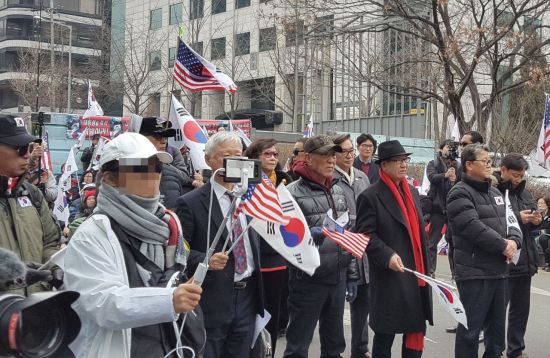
x,y
41,325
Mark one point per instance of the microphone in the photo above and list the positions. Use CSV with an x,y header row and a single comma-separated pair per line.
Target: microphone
x,y
12,270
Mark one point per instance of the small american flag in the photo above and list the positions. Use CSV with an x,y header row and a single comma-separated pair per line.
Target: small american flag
x,y
261,201
196,74
354,243
542,154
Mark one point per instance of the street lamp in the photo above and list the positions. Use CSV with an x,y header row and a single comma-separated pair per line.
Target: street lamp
x,y
69,76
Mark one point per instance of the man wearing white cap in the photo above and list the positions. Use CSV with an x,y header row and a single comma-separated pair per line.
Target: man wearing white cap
x,y
117,258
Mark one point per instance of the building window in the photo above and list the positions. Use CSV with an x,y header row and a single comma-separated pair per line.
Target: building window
x,y
176,14
171,56
218,6
155,19
154,61
197,9
241,3
268,39
242,42
218,48
198,47
294,31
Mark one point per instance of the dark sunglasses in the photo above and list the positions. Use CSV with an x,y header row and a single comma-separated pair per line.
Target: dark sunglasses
x,y
297,151
151,167
21,150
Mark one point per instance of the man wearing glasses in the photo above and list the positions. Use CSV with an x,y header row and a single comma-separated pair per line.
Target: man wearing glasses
x,y
389,212
365,160
482,250
26,224
353,182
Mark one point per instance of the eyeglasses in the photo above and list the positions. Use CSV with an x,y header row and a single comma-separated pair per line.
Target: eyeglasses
x,y
269,153
297,151
486,162
401,161
348,152
364,145
21,150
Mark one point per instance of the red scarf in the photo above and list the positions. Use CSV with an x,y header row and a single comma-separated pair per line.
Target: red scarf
x,y
414,341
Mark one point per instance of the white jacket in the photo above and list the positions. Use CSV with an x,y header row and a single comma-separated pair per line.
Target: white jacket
x,y
108,307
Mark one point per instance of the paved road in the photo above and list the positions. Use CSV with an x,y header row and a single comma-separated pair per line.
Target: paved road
x,y
441,344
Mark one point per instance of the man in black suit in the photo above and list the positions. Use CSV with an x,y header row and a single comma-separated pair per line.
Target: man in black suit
x,y
389,212
232,289
365,160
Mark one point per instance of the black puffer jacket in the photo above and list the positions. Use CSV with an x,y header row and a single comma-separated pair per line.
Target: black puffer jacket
x,y
315,201
521,199
477,216
171,186
439,185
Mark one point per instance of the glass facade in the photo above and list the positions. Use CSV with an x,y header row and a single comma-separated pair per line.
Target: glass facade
x,y
155,19
242,42
218,48
176,14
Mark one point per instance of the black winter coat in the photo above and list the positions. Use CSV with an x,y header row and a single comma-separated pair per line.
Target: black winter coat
x,y
269,258
374,171
398,304
315,201
521,199
439,185
477,217
171,185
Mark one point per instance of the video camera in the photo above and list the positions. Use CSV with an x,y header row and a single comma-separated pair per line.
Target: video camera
x,y
41,325
453,153
241,171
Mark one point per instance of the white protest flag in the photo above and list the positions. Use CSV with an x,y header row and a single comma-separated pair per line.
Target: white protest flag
x,y
455,132
69,168
425,187
94,109
449,298
81,139
135,123
98,152
189,133
56,259
60,207
292,241
243,136
511,222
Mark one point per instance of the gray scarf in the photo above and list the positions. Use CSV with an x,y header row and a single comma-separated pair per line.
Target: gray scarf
x,y
141,218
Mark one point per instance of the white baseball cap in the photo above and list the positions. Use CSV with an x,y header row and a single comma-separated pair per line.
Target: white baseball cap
x,y
131,145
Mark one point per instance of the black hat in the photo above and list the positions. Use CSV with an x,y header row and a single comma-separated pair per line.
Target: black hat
x,y
390,149
321,144
13,132
156,126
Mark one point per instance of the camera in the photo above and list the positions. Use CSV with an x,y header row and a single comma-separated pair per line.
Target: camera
x,y
240,169
453,153
41,325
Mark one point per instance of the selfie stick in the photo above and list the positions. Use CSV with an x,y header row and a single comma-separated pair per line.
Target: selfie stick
x,y
202,268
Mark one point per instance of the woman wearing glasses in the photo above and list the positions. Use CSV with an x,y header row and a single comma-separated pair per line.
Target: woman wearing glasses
x,y
273,265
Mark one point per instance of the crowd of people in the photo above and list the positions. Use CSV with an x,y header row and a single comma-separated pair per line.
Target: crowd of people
x,y
143,215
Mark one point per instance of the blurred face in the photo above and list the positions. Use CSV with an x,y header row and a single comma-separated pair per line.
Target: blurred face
x,y
14,161
344,160
445,150
541,204
95,141
269,158
480,168
396,167
226,149
298,152
322,165
142,180
158,141
513,176
88,178
465,140
90,202
366,150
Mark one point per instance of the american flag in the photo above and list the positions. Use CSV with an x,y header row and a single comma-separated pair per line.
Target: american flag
x,y
261,201
354,243
542,154
46,158
196,74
